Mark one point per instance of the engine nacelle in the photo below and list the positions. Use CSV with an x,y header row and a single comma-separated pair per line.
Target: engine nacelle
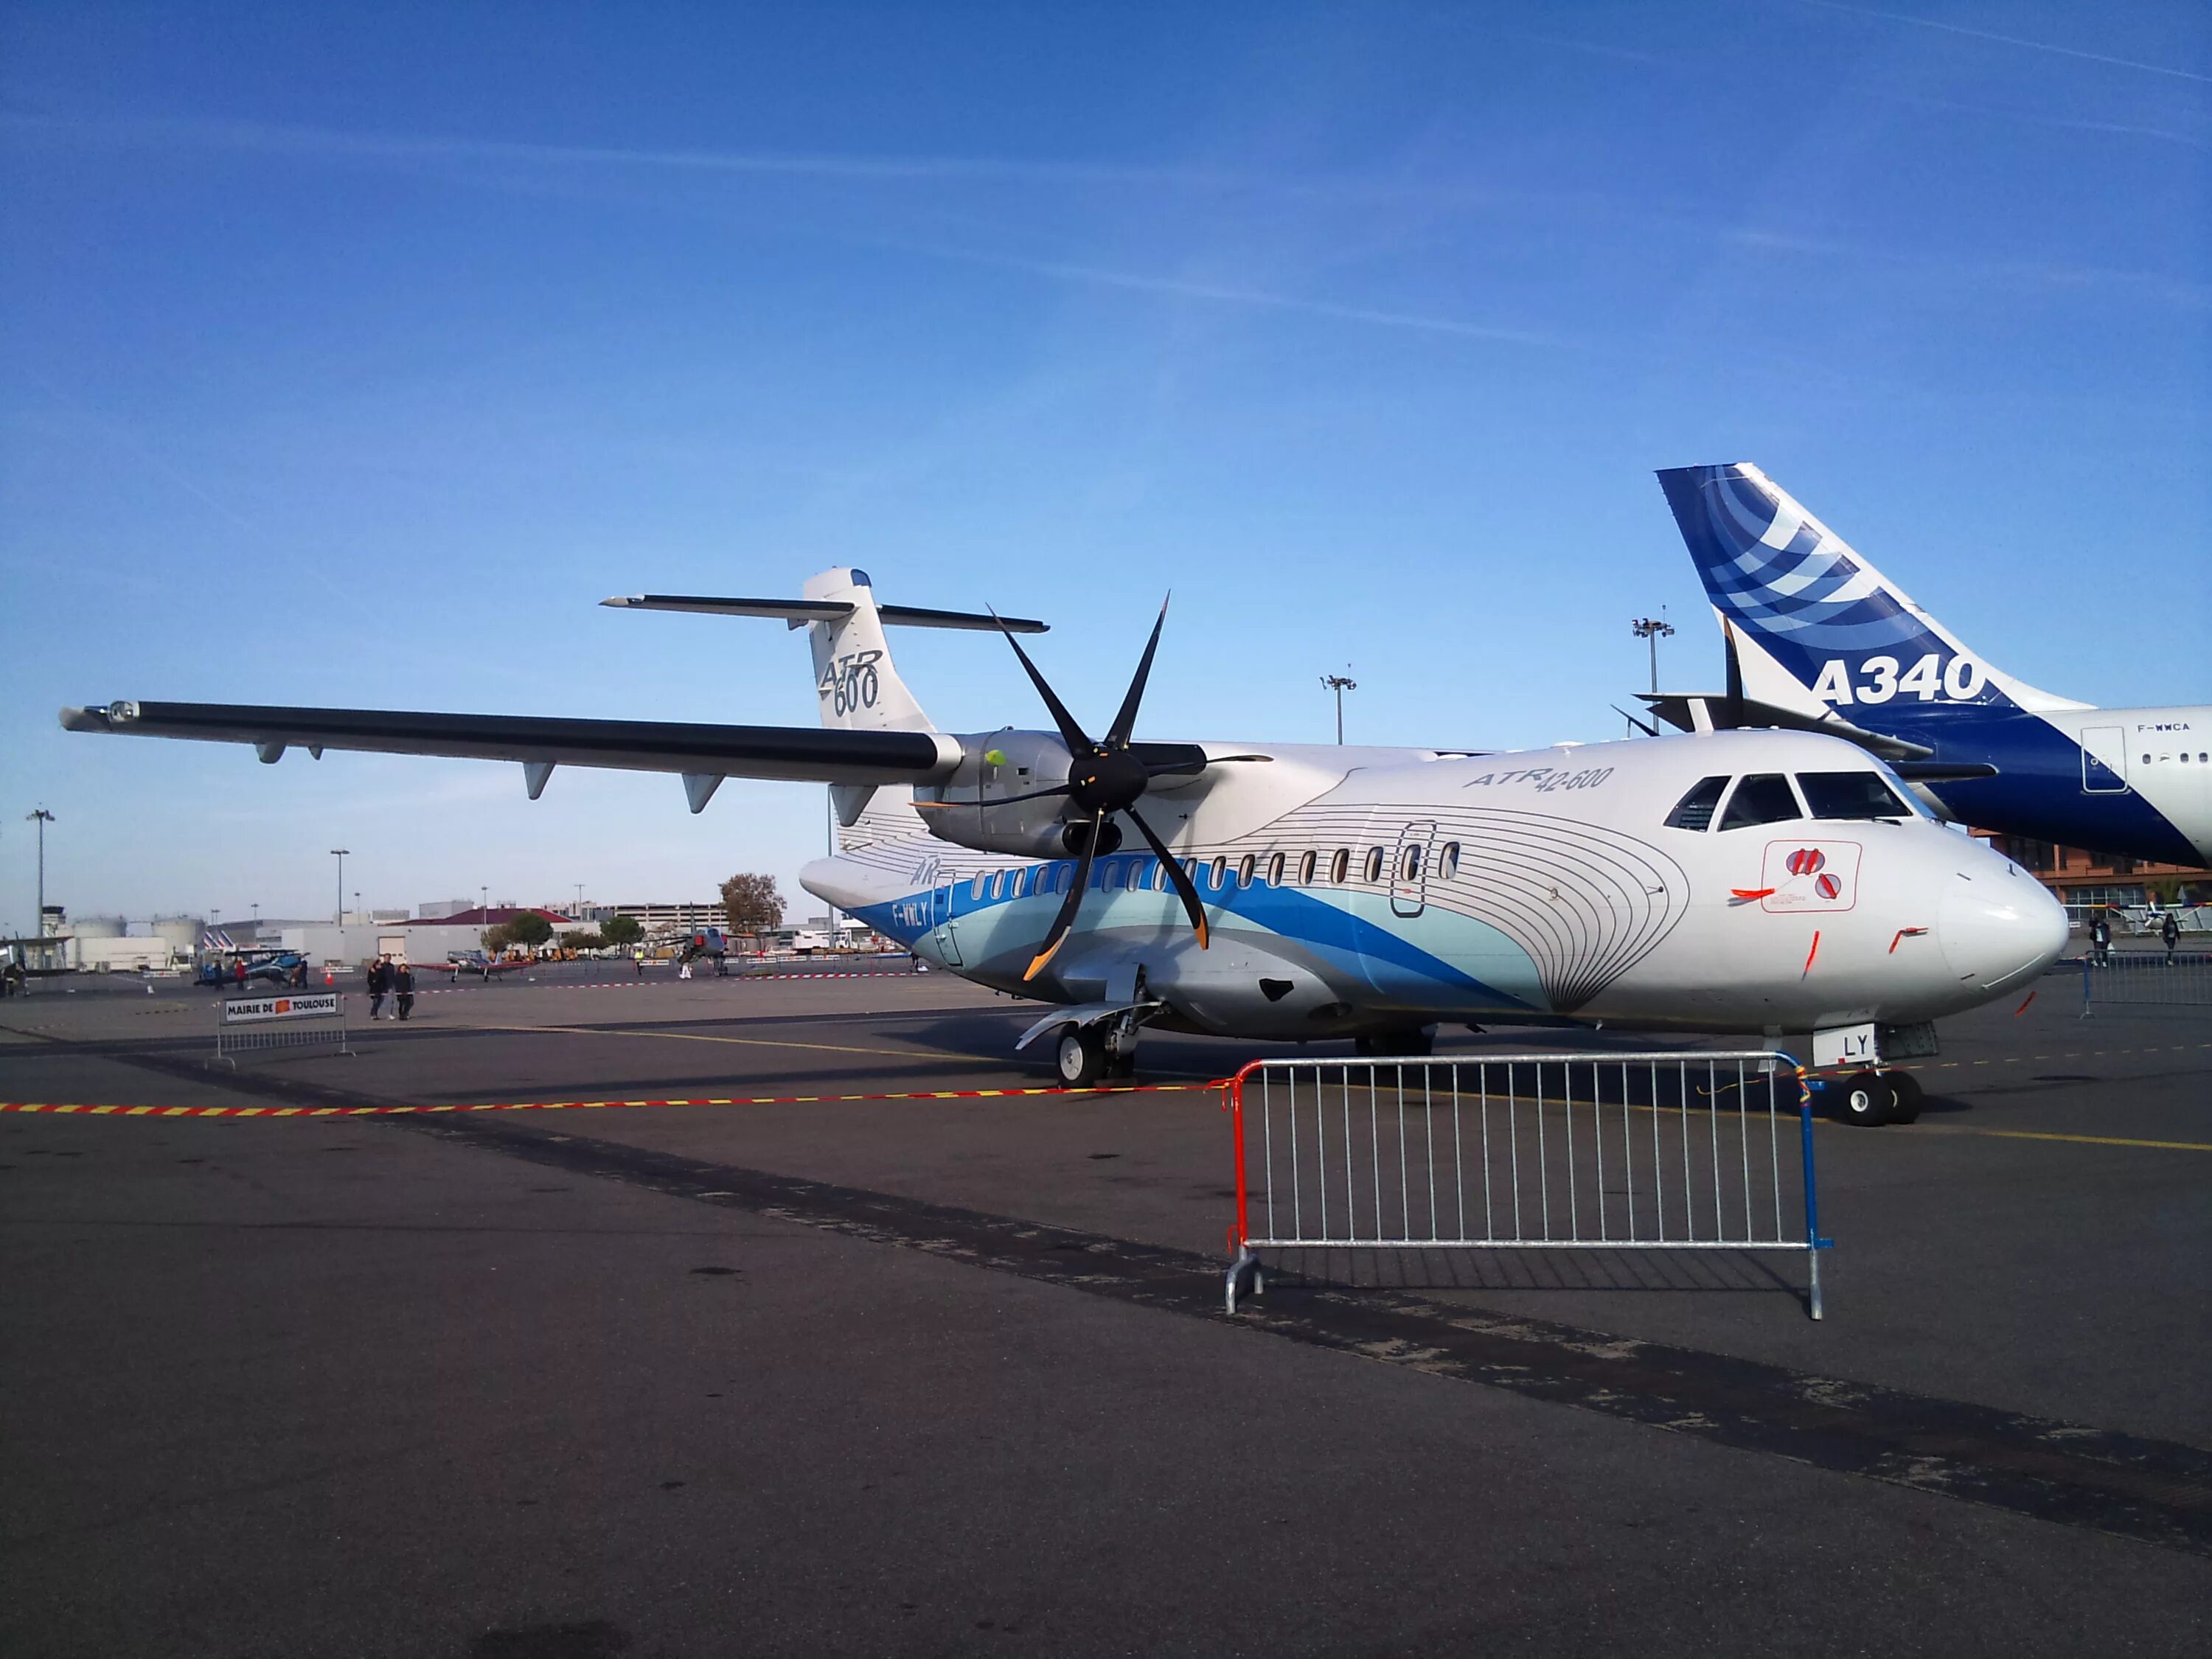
x,y
995,767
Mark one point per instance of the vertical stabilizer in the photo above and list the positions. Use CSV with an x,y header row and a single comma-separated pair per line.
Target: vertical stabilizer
x,y
861,690
1810,616
853,674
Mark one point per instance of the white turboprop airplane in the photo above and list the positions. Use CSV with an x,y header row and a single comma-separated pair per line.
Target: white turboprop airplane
x,y
1774,882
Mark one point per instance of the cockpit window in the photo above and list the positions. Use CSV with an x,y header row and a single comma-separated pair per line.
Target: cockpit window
x,y
1762,798
1695,810
1850,795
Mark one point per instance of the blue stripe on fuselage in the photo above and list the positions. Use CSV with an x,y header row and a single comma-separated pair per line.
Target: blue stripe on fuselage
x,y
1361,949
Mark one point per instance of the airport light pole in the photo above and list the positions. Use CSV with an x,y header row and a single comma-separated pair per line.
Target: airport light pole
x,y
1652,631
339,853
1341,683
42,818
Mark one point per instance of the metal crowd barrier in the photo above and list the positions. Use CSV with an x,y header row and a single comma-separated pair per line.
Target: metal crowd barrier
x,y
2147,976
298,1019
1648,1152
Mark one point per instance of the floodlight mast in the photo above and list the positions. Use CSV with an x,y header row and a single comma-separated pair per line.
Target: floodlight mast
x,y
339,853
1652,631
1341,683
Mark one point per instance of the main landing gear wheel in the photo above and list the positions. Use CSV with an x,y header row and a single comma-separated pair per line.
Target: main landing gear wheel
x,y
1081,1054
1904,1106
1866,1098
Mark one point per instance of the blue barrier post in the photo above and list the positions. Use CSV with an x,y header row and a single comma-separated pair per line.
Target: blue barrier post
x,y
2085,987
1813,1243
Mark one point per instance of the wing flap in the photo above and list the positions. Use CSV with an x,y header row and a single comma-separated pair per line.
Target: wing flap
x,y
807,753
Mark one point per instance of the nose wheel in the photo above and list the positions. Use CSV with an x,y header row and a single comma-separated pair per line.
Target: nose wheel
x,y
1081,1056
1871,1097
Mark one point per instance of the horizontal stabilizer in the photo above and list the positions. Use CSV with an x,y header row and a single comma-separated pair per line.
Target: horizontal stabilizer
x,y
798,612
807,753
1725,712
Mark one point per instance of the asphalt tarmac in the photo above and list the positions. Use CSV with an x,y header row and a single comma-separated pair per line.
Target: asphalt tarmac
x,y
920,1374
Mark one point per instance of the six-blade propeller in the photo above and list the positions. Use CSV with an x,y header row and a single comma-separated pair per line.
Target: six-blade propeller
x,y
1103,778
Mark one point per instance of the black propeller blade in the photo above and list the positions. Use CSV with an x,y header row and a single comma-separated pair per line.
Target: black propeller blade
x,y
1105,778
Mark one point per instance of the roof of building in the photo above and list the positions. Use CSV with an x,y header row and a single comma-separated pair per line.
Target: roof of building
x,y
478,916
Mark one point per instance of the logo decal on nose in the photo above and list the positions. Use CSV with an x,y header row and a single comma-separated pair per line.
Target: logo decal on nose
x,y
1824,876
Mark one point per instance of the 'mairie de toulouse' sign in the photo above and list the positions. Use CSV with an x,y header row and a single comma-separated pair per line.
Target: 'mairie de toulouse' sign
x,y
322,1005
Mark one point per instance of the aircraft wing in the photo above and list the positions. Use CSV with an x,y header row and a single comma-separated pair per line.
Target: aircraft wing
x,y
703,754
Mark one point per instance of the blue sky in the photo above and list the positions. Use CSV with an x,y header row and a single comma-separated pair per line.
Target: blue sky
x,y
351,356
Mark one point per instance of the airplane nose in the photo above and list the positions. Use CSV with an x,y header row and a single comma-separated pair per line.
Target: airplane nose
x,y
1999,929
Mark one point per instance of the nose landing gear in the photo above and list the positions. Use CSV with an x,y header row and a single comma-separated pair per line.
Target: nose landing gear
x,y
1105,1048
1874,1096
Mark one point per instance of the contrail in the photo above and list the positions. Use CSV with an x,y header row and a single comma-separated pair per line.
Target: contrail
x,y
2011,41
389,147
1182,288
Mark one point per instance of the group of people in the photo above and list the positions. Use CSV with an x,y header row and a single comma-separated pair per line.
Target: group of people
x,y
395,980
2100,937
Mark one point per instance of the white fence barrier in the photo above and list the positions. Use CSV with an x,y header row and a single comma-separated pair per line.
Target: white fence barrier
x,y
2179,976
291,1019
1651,1152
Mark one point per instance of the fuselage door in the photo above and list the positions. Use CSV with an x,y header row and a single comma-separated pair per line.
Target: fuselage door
x,y
2103,760
940,917
1409,869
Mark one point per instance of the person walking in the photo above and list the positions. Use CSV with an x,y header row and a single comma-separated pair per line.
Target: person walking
x,y
639,960
2101,940
380,982
402,984
2170,932
237,974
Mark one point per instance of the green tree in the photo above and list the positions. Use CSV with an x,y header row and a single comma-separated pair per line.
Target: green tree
x,y
621,930
529,928
751,904
495,941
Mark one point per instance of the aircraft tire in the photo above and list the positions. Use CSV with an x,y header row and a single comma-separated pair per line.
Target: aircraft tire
x,y
1906,1097
1866,1098
1080,1055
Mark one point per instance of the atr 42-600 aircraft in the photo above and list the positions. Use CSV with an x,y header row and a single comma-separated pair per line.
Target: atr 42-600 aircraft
x,y
1820,641
1748,881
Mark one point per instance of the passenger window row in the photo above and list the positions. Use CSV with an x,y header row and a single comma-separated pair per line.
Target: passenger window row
x,y
1777,797
1141,874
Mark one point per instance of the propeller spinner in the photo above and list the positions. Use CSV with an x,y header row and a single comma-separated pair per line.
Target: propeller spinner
x,y
1105,778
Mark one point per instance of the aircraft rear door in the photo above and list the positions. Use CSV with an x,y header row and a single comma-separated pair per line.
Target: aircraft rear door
x,y
2104,761
1409,869
940,916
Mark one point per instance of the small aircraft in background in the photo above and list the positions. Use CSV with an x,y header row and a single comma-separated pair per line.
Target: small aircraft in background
x,y
219,967
479,962
709,943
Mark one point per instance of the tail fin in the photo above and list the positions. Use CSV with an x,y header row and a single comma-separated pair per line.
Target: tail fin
x,y
1811,617
853,674
861,690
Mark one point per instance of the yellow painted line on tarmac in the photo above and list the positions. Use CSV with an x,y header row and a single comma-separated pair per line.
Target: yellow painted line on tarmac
x,y
2047,1134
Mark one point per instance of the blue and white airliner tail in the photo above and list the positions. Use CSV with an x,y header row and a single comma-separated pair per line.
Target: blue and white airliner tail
x,y
1817,628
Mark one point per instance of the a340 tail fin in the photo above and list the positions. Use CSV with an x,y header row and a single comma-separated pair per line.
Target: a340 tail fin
x,y
1810,616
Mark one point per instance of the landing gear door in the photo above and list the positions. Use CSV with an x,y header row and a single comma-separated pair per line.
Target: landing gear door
x,y
2104,761
1409,869
941,918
